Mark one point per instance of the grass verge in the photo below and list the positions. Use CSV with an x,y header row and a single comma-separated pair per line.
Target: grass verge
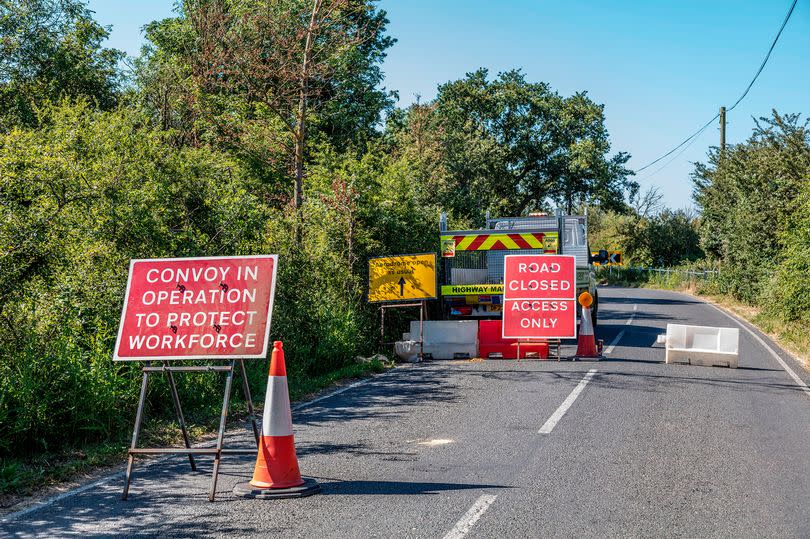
x,y
22,477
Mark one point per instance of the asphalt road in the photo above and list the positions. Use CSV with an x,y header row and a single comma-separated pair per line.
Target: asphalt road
x,y
645,449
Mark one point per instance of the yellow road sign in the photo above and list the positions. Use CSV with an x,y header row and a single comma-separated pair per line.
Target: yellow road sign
x,y
403,277
614,258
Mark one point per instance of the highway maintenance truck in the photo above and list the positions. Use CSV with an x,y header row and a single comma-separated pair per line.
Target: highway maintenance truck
x,y
472,260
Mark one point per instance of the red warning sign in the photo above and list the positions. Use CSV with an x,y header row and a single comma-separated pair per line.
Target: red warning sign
x,y
197,308
539,297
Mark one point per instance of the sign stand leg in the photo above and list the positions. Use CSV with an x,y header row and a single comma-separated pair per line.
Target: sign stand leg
x,y
249,400
382,327
135,433
518,350
222,420
422,331
180,419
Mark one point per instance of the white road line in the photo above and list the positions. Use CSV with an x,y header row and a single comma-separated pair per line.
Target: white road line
x,y
635,307
465,524
147,464
630,320
614,342
760,340
552,421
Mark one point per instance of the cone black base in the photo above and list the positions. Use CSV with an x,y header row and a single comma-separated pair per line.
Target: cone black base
x,y
246,490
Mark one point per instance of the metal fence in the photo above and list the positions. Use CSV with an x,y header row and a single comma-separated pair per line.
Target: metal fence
x,y
638,271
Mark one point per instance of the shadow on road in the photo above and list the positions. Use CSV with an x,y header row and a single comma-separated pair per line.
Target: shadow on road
x,y
658,382
636,336
388,398
404,488
607,300
735,379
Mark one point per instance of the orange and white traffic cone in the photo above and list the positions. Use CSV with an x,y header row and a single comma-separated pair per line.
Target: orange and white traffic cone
x,y
276,474
586,341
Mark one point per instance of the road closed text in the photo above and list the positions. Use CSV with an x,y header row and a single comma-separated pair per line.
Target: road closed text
x,y
538,278
539,293
197,308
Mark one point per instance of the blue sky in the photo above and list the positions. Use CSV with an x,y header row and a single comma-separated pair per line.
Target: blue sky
x,y
662,69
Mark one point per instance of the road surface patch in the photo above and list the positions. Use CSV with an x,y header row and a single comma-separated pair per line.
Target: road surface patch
x,y
434,443
465,523
552,421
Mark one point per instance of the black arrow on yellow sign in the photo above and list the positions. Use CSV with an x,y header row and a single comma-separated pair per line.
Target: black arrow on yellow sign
x,y
402,286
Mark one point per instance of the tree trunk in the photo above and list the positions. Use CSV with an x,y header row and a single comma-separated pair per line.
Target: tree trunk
x,y
301,120
299,160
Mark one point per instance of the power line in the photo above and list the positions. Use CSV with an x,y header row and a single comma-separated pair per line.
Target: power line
x,y
686,140
747,89
767,56
674,157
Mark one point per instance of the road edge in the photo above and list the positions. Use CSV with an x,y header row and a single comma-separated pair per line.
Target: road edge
x,y
764,339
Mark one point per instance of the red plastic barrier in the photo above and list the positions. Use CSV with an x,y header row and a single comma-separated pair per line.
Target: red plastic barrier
x,y
490,341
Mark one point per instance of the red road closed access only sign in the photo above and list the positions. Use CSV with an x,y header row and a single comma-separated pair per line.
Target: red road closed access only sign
x,y
197,308
539,297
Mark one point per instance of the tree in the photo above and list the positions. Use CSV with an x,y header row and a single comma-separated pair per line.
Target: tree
x,y
292,58
51,49
749,197
511,146
583,173
647,203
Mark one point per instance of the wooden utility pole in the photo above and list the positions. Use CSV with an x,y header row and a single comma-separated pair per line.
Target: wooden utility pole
x,y
722,129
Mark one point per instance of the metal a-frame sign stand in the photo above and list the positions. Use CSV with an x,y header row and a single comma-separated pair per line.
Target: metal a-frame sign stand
x,y
157,296
218,450
418,273
552,344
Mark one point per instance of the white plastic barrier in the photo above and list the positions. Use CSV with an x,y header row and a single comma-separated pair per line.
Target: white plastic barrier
x,y
407,350
448,339
701,345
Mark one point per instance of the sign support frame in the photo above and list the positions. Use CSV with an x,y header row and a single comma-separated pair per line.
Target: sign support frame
x,y
422,316
552,344
219,448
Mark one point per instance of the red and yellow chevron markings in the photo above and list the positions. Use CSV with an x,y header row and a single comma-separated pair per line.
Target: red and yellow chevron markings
x,y
504,241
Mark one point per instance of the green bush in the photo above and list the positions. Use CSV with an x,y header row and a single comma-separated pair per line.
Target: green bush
x,y
754,215
82,195
788,292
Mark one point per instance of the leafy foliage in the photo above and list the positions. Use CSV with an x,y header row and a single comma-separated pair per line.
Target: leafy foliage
x,y
510,146
80,196
649,234
755,218
51,49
